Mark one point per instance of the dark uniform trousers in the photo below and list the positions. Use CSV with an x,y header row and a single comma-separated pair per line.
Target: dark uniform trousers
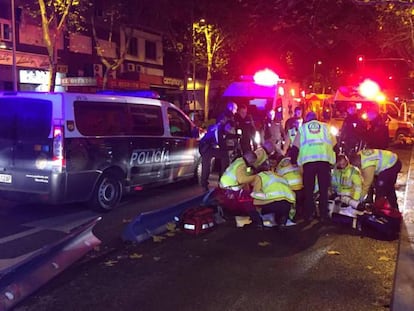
x,y
321,170
385,184
206,158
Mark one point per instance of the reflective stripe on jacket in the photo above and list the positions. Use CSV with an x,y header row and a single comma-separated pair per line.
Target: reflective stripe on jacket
x,y
347,182
274,188
229,177
291,173
316,143
381,159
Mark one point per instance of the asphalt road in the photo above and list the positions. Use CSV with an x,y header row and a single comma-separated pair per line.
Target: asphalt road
x,y
312,268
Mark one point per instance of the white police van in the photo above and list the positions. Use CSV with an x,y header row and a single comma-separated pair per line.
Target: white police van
x,y
69,147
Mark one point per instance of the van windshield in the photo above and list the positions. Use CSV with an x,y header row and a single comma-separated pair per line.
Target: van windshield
x,y
25,118
339,108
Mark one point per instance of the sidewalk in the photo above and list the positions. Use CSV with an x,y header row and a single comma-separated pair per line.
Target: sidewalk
x,y
403,298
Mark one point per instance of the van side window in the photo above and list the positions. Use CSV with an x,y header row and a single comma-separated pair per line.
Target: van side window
x,y
179,125
101,118
146,120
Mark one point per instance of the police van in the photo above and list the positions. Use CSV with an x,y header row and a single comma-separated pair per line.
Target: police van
x,y
68,147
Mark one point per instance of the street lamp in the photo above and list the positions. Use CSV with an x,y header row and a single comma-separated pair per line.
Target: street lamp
x,y
319,62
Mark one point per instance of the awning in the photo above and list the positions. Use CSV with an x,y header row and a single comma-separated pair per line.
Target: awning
x,y
249,89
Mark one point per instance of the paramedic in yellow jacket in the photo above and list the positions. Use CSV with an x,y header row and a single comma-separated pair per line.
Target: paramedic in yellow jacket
x,y
314,145
272,194
266,154
382,164
293,175
346,179
238,177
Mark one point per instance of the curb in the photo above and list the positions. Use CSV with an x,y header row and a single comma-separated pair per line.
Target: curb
x,y
403,292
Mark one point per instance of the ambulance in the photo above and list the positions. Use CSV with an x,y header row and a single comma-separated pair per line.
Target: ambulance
x,y
367,96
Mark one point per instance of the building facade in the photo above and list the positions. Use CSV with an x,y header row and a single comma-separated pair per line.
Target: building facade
x,y
80,68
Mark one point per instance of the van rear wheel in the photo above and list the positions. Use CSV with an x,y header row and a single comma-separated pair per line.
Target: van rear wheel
x,y
107,194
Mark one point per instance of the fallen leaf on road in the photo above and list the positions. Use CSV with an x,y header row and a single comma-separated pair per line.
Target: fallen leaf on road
x,y
384,258
381,251
171,226
264,243
370,267
110,263
333,253
124,221
156,258
157,238
170,233
136,256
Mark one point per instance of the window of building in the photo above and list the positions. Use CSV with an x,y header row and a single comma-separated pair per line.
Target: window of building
x,y
150,50
5,31
133,46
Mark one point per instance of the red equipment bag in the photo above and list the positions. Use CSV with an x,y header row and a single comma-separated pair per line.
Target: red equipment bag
x,y
198,220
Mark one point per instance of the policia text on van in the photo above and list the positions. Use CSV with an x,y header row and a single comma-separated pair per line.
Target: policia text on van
x,y
67,147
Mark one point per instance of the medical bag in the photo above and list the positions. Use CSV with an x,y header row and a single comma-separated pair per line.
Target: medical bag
x,y
198,220
383,223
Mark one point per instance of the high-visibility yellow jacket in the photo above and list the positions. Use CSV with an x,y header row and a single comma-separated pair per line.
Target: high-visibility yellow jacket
x,y
291,173
315,143
261,156
268,187
347,182
373,162
237,175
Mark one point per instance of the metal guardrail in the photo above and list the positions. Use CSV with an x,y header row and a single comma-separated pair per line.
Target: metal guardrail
x,y
148,224
23,278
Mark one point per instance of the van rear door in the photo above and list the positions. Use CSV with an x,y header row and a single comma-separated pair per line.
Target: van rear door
x,y
25,147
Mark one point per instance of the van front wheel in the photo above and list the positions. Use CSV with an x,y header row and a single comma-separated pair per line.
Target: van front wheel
x,y
107,194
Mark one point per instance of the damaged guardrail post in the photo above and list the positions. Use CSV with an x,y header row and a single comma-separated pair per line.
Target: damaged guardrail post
x,y
24,278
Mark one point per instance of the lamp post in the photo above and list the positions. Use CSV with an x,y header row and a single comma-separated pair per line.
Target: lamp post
x,y
14,69
319,62
194,68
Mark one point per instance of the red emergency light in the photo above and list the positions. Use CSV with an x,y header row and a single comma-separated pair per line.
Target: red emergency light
x,y
266,77
369,89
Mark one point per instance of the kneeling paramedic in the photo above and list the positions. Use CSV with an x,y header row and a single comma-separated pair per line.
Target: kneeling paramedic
x,y
272,194
237,179
379,168
346,180
293,175
266,155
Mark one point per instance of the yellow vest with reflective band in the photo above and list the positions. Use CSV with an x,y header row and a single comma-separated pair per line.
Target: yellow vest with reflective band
x,y
291,173
347,182
229,178
274,188
381,159
315,143
261,156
